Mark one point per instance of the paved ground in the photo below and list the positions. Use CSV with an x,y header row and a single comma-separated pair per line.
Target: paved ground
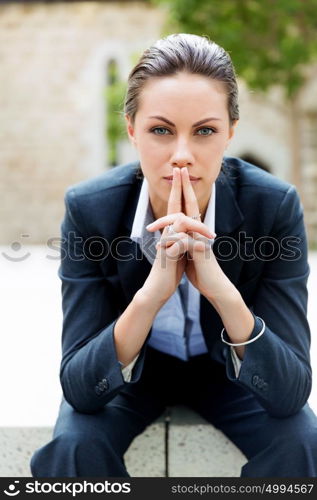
x,y
30,323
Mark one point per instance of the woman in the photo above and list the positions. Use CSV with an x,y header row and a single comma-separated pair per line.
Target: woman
x,y
169,312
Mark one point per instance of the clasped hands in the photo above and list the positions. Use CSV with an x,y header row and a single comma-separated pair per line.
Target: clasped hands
x,y
201,267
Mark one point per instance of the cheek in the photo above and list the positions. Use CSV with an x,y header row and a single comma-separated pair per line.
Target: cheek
x,y
151,149
212,150
219,144
152,160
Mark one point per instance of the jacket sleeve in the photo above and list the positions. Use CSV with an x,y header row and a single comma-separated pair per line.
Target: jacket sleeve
x,y
90,373
276,367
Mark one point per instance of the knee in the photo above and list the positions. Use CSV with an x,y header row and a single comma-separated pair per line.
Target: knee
x,y
300,439
307,439
75,439
66,452
79,442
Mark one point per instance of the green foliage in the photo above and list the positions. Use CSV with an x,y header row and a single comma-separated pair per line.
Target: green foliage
x,y
114,102
114,94
270,42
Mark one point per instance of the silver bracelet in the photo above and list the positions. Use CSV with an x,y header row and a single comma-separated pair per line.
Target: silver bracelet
x,y
248,341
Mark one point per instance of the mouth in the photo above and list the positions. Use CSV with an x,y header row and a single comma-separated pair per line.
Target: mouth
x,y
191,178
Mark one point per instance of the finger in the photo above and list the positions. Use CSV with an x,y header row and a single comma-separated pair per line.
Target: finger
x,y
190,199
184,224
167,241
185,244
178,249
172,252
174,203
200,244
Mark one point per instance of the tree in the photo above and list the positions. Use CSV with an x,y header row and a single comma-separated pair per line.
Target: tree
x,y
271,43
114,94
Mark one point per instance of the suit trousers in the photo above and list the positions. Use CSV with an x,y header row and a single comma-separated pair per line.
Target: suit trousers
x,y
93,445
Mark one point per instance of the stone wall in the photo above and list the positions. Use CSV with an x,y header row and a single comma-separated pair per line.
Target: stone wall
x,y
53,73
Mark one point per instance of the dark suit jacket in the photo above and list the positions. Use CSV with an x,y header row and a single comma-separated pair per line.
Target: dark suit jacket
x,y
261,246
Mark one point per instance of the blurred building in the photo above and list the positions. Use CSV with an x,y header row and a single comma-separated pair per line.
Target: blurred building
x,y
55,59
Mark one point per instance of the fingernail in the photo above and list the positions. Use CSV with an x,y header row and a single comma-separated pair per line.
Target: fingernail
x,y
149,225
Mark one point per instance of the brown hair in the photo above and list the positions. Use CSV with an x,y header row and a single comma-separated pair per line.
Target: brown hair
x,y
183,52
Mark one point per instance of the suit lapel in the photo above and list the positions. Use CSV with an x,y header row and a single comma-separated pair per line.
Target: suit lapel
x,y
228,218
134,268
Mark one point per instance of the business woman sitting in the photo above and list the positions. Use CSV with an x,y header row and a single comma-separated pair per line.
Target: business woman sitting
x,y
183,281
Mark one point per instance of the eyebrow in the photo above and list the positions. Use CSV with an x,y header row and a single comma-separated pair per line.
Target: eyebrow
x,y
194,124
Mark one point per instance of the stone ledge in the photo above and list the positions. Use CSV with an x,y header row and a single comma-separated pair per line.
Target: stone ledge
x,y
194,449
197,449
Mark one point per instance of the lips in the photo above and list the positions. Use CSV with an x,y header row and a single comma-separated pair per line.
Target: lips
x,y
170,178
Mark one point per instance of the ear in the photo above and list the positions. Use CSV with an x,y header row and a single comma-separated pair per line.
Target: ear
x,y
232,130
130,129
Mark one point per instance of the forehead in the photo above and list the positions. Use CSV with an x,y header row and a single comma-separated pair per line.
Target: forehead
x,y
183,91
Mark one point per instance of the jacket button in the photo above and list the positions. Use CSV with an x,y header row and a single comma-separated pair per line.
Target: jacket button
x,y
103,384
98,391
101,387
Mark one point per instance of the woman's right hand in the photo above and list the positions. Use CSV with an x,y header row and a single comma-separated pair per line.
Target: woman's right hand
x,y
170,262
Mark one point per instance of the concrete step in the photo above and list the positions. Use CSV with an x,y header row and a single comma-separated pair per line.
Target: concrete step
x,y
197,449
194,449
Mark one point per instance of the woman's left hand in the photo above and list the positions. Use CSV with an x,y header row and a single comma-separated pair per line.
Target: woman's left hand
x,y
202,268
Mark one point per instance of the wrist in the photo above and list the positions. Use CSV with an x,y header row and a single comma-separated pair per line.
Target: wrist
x,y
148,300
228,295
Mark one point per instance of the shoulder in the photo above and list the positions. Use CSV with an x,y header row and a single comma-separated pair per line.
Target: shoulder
x,y
246,176
106,191
256,187
113,179
97,204
265,200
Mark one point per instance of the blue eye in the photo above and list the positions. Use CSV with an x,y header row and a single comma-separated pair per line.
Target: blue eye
x,y
210,131
154,130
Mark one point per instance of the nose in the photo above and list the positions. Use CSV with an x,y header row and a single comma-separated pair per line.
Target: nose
x,y
182,155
